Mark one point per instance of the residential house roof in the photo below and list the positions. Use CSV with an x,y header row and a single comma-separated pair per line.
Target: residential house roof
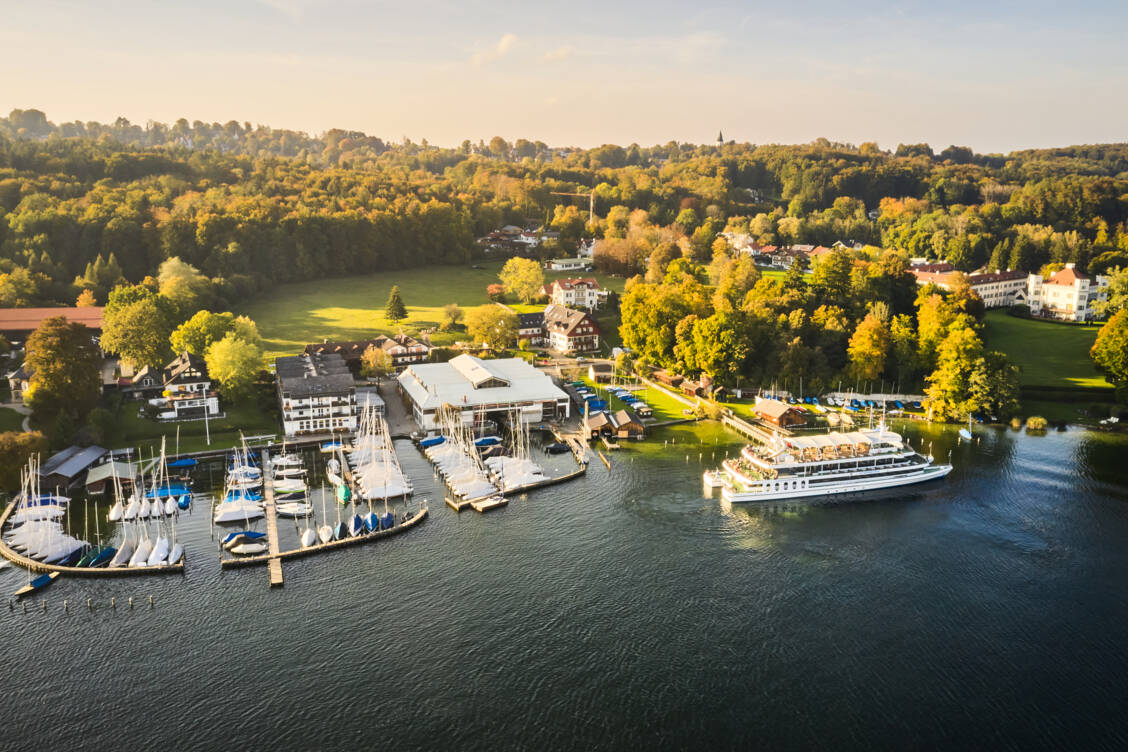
x,y
533,320
177,370
29,319
311,375
557,318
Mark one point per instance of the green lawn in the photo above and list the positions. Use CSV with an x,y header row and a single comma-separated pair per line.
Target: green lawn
x,y
291,316
10,420
664,407
134,430
1048,354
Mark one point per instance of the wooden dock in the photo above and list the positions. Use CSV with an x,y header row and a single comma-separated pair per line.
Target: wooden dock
x,y
38,566
295,553
457,504
604,458
274,565
492,502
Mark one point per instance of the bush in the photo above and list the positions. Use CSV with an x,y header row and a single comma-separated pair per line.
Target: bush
x,y
1016,423
1021,311
1036,423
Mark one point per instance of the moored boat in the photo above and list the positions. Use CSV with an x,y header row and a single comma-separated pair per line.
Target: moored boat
x,y
797,467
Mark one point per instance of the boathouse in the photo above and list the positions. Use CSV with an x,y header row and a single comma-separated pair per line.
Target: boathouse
x,y
779,413
474,386
628,425
63,469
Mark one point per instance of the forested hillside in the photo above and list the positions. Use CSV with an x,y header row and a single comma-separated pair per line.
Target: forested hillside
x,y
85,205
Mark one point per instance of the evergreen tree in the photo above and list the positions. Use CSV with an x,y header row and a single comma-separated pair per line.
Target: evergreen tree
x,y
395,311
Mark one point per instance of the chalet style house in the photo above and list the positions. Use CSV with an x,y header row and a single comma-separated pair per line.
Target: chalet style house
x,y
567,330
182,388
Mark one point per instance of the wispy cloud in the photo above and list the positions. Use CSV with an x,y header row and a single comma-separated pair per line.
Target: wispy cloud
x,y
499,50
560,53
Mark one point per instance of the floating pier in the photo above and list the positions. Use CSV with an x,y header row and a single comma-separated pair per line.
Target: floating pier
x,y
295,553
457,504
485,505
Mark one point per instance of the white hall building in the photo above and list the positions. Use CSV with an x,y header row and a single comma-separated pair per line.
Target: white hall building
x,y
1067,294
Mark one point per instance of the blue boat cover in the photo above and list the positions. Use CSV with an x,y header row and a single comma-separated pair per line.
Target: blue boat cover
x,y
433,441
387,520
184,462
185,501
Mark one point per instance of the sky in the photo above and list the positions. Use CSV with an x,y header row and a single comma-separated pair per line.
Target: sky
x,y
995,76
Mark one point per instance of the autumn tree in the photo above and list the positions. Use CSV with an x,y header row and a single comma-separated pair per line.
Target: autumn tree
x,y
523,278
184,285
198,333
395,311
16,448
1110,351
868,349
85,299
233,363
493,325
375,363
452,316
64,366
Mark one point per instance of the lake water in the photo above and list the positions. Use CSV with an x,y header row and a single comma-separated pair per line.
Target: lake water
x,y
628,610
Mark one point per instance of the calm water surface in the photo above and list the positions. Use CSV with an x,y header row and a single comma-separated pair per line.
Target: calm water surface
x,y
626,609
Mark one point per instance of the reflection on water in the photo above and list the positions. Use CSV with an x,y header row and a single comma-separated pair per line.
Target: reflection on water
x,y
630,608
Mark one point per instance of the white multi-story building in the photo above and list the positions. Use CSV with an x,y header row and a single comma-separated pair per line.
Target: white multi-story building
x,y
995,289
316,394
582,292
1067,294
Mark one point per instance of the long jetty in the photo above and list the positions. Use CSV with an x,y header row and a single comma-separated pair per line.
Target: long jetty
x,y
295,553
39,566
274,565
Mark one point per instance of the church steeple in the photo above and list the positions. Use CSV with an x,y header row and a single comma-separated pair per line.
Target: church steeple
x,y
720,138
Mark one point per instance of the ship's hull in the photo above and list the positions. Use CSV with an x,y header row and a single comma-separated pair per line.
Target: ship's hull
x,y
802,488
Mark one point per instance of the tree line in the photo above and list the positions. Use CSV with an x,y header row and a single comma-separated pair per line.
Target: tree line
x,y
84,205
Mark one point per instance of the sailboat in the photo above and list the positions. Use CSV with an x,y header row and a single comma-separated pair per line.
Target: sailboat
x,y
325,532
340,530
308,535
37,584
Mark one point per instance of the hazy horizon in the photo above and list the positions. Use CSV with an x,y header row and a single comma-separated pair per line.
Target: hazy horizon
x,y
999,79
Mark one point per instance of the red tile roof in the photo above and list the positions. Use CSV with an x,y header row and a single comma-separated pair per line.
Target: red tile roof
x,y
28,319
1067,276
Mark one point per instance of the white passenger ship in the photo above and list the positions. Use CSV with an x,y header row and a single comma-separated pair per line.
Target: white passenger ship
x,y
795,467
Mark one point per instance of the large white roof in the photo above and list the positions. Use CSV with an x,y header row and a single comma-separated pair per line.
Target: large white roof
x,y
431,385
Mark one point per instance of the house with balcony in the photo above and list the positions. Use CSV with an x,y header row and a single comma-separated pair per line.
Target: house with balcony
x,y
567,330
186,390
581,292
316,394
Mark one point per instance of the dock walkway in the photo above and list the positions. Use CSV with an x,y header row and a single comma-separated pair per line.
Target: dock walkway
x,y
274,566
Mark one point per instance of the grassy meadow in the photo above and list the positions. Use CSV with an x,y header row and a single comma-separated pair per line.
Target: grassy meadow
x,y
348,308
1049,354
